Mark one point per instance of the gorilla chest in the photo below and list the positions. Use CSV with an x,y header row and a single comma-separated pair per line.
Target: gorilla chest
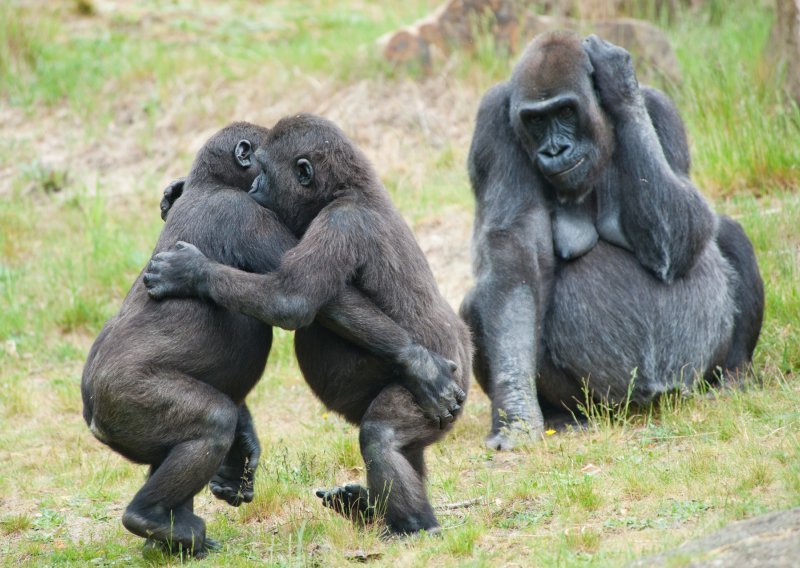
x,y
578,226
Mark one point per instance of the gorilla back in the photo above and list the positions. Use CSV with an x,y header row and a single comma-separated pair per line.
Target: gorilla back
x,y
164,383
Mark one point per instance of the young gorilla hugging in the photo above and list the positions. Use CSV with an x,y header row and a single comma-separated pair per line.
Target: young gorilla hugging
x,y
326,192
165,382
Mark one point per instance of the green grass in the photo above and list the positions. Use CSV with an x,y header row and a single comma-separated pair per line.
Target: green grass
x,y
43,61
75,233
745,132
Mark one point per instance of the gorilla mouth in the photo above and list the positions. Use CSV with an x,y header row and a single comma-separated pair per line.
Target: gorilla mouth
x,y
569,168
258,183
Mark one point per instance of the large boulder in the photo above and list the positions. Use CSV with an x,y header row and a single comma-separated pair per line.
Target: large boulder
x,y
452,26
768,540
511,24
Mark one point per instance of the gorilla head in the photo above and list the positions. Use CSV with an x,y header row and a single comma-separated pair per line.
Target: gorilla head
x,y
555,113
307,162
226,159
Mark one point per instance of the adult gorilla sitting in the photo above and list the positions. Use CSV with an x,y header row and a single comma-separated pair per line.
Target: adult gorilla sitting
x,y
599,267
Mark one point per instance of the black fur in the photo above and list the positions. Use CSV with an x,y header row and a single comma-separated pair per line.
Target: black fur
x,y
165,382
325,190
595,257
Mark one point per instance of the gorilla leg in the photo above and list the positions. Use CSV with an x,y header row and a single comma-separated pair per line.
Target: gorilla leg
x,y
505,359
191,425
561,396
234,480
503,311
748,296
393,435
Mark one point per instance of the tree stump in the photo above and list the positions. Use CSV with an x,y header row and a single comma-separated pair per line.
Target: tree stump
x,y
784,44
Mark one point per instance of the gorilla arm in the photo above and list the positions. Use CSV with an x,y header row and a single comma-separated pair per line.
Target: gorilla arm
x,y
350,314
311,281
513,270
665,219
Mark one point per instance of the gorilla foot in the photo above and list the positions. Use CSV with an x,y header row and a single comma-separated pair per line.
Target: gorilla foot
x,y
161,548
177,531
518,434
417,524
351,501
233,485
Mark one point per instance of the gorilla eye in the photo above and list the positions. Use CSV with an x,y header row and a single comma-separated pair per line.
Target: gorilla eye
x,y
535,122
566,112
304,171
242,153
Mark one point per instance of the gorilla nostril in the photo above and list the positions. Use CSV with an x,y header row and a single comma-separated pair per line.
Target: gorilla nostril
x,y
554,150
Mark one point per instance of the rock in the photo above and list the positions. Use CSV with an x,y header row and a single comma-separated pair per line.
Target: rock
x,y
405,46
454,24
768,540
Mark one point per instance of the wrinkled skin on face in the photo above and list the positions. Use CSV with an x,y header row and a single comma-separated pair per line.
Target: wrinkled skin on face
x,y
555,112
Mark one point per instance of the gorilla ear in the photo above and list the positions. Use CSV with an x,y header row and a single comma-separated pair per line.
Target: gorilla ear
x,y
243,152
304,171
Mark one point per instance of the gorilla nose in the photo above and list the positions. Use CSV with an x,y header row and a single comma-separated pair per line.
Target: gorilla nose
x,y
554,150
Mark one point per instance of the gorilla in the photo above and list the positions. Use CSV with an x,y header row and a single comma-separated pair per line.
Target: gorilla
x,y
165,382
323,188
600,269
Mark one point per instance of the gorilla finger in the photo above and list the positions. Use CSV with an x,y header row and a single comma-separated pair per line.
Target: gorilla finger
x,y
157,260
352,488
183,245
221,492
446,418
156,292
321,493
454,409
460,395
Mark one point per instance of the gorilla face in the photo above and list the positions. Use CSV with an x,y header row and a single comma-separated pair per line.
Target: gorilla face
x,y
555,113
286,187
306,162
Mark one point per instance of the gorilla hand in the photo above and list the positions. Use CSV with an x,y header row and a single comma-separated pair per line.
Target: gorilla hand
x,y
429,378
172,192
180,272
613,76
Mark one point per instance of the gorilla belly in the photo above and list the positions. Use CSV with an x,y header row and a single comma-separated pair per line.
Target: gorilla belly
x,y
610,320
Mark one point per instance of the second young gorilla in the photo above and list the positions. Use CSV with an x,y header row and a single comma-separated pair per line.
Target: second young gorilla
x,y
326,192
165,382
598,264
